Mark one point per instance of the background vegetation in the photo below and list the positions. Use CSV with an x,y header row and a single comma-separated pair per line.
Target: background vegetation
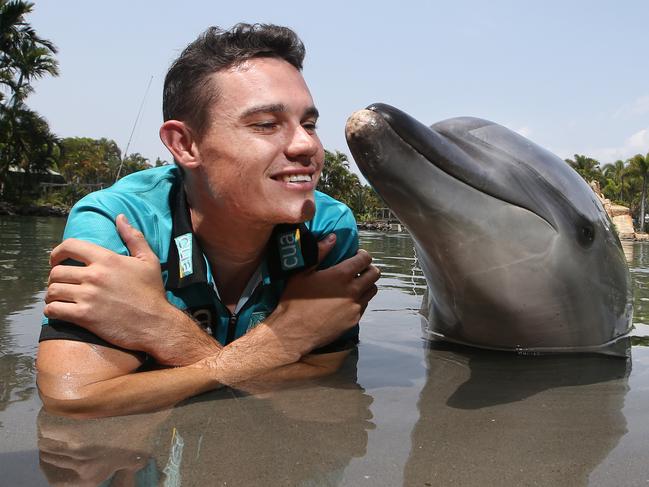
x,y
623,182
38,167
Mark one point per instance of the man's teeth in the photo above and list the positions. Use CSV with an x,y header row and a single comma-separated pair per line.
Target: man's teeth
x,y
296,178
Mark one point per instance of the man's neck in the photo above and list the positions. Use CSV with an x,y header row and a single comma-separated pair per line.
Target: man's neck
x,y
234,248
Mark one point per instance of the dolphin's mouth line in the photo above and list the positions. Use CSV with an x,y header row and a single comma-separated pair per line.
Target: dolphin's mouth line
x,y
455,176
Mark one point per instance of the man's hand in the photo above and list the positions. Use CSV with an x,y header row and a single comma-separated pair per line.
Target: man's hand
x,y
122,300
318,306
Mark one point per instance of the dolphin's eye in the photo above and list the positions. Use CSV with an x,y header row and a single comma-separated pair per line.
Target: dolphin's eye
x,y
586,235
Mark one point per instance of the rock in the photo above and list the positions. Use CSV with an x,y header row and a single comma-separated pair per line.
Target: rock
x,y
620,215
33,210
7,209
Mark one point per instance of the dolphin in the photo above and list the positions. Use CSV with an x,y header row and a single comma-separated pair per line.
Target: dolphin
x,y
517,250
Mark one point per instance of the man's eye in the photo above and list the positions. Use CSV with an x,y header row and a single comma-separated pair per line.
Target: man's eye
x,y
310,126
264,126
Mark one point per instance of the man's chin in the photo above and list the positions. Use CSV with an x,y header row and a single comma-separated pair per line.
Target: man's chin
x,y
301,214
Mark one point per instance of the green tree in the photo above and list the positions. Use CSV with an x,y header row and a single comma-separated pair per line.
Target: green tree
x,y
89,161
26,141
587,167
616,181
160,162
639,167
31,149
338,181
134,162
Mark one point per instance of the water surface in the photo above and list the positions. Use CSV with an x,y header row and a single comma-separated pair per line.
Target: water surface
x,y
401,412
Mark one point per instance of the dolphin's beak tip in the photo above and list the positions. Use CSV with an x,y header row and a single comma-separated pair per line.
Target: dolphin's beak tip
x,y
360,121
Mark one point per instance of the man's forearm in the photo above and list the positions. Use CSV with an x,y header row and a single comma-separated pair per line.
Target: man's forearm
x,y
111,388
128,394
307,368
185,342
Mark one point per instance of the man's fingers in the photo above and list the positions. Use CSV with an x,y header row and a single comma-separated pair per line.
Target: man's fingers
x,y
357,264
77,250
367,296
61,310
133,238
61,292
368,277
325,245
66,273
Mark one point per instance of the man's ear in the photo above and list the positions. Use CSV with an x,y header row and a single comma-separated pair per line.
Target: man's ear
x,y
181,142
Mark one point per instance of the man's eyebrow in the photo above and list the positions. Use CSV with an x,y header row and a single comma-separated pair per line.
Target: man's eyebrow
x,y
271,108
278,108
311,112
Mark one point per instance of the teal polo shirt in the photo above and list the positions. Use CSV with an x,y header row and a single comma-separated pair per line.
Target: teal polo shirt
x,y
154,202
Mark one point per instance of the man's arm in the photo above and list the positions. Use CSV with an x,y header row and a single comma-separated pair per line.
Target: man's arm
x,y
112,288
83,380
98,381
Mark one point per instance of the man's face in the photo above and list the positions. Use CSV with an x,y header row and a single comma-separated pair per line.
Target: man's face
x,y
260,155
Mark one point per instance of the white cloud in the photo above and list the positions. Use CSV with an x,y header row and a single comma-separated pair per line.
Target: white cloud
x,y
637,143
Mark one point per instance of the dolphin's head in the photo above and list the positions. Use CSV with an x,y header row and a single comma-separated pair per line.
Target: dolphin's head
x,y
516,248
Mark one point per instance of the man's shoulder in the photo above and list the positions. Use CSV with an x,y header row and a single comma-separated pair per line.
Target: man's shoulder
x,y
332,216
329,211
143,197
146,190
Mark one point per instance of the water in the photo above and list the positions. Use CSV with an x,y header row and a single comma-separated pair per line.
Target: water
x,y
399,413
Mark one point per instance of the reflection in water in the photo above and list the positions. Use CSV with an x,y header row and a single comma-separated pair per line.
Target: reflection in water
x,y
627,247
394,253
24,259
112,451
299,436
443,415
489,418
25,244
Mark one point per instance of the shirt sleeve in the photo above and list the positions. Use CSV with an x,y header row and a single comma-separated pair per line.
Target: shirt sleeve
x,y
92,219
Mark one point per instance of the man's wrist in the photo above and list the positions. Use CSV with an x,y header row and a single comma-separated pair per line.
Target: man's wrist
x,y
185,341
256,353
288,335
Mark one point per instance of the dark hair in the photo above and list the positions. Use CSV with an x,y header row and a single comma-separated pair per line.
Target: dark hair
x,y
188,94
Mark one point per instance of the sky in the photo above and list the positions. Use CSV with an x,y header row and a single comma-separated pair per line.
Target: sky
x,y
573,76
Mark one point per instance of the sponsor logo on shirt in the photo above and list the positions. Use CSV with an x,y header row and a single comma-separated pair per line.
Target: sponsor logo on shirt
x,y
290,252
256,318
184,246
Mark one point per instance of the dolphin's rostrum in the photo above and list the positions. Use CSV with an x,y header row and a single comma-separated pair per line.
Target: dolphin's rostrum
x,y
516,248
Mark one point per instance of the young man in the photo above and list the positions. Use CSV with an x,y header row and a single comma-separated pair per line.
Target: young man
x,y
236,228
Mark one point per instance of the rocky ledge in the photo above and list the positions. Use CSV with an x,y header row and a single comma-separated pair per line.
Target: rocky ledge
x,y
620,216
33,210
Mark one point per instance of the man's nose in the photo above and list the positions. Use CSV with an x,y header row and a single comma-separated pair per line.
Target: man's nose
x,y
302,145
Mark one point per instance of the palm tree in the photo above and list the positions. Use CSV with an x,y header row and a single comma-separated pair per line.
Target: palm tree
x,y
339,182
30,61
587,167
615,180
639,166
25,138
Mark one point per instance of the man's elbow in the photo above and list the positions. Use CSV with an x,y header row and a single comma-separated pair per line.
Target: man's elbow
x,y
326,364
63,397
66,401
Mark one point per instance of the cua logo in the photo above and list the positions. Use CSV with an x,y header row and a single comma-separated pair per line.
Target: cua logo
x,y
290,252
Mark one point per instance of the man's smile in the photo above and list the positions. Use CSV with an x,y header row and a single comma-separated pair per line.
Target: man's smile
x,y
300,177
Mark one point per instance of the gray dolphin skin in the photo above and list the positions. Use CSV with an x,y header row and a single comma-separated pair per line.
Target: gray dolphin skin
x,y
517,250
